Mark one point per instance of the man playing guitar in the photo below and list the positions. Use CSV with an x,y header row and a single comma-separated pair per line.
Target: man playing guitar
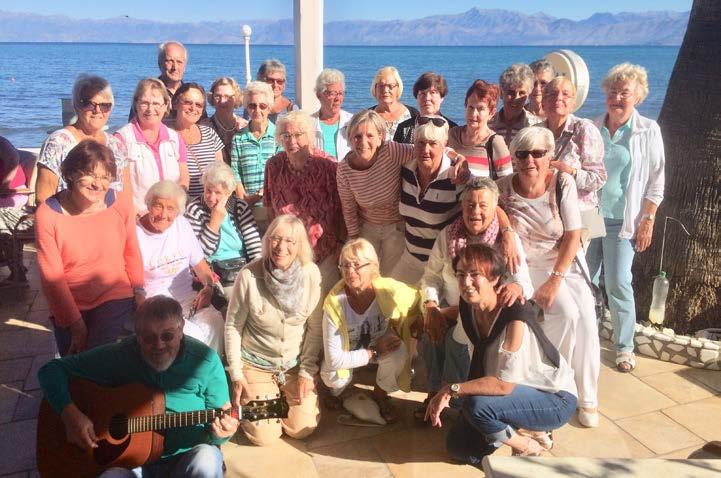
x,y
188,372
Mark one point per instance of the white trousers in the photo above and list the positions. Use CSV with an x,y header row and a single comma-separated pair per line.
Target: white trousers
x,y
570,324
206,325
390,367
389,242
408,269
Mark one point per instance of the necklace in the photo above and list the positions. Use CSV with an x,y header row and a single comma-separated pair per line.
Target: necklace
x,y
217,121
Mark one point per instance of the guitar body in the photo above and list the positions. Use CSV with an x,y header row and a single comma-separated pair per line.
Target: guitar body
x,y
58,458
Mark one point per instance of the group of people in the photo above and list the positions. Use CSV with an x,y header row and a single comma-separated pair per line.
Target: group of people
x,y
329,241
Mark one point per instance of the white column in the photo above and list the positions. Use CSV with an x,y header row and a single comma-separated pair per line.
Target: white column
x,y
308,25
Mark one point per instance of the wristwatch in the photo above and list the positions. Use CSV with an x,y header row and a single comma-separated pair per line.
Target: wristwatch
x,y
455,390
648,217
374,354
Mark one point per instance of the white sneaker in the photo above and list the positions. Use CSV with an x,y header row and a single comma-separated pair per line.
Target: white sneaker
x,y
588,419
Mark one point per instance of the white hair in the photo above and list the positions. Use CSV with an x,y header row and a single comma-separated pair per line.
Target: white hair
x,y
529,137
164,46
327,77
626,73
219,174
166,189
258,88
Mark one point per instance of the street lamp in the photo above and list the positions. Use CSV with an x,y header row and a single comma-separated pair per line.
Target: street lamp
x,y
246,38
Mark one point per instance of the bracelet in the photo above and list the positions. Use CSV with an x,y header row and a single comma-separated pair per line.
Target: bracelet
x,y
557,274
139,291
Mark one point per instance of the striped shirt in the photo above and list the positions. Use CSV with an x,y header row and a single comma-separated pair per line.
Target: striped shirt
x,y
198,215
477,154
509,131
372,195
200,155
426,214
249,154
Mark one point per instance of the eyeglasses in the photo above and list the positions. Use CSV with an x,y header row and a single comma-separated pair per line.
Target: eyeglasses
x,y
437,121
295,136
275,81
190,104
88,105
219,97
474,275
257,106
165,337
87,177
624,94
333,94
536,153
144,105
276,240
390,86
355,267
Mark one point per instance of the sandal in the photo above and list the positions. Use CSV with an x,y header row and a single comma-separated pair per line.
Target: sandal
x,y
625,362
533,448
388,411
545,439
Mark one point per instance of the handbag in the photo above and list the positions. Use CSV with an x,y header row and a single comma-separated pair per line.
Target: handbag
x,y
593,224
228,270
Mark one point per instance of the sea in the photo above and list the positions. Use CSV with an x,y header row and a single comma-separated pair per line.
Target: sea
x,y
35,76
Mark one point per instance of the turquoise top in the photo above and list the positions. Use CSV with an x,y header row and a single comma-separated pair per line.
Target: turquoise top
x,y
230,245
194,381
329,132
617,159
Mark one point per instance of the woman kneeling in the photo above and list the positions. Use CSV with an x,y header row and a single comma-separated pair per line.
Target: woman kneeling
x,y
367,319
519,385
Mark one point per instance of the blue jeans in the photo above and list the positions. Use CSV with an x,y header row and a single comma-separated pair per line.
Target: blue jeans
x,y
487,421
105,323
616,255
447,362
201,461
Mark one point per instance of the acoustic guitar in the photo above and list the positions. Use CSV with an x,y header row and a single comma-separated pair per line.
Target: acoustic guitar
x,y
128,422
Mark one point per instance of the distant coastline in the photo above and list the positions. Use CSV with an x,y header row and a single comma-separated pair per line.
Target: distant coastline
x,y
474,27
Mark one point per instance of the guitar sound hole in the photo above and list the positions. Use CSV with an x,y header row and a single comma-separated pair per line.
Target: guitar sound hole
x,y
118,427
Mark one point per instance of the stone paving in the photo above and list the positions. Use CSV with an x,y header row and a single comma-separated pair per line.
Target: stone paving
x,y
661,410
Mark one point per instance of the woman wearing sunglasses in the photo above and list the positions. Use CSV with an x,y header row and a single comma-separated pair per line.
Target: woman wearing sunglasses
x,y
301,180
550,228
367,319
203,144
254,144
90,264
92,102
273,73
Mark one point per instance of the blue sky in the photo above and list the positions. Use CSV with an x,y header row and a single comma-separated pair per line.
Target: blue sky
x,y
197,10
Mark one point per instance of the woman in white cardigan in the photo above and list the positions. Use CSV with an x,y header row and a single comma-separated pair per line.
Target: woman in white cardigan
x,y
634,160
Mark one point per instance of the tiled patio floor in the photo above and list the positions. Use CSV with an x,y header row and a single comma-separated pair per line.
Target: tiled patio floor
x,y
661,410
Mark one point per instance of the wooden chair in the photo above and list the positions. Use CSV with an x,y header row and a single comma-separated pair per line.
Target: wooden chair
x,y
24,230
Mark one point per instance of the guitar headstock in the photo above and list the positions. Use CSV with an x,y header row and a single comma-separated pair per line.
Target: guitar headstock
x,y
269,408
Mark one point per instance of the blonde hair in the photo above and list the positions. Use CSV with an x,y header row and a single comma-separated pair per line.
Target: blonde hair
x,y
258,88
363,117
626,73
363,250
300,119
559,82
222,81
382,73
305,251
147,84
430,132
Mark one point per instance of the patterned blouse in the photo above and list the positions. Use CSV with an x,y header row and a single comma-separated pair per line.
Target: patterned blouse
x,y
581,147
59,143
311,194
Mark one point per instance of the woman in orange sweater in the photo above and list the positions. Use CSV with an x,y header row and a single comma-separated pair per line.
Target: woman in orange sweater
x,y
90,263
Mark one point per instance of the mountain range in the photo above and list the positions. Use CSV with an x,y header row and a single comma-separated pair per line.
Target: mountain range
x,y
473,27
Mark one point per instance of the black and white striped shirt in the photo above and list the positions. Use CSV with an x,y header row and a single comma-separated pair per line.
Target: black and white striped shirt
x,y
426,214
198,215
200,156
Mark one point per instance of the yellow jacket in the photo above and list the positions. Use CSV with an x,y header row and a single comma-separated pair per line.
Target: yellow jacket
x,y
398,302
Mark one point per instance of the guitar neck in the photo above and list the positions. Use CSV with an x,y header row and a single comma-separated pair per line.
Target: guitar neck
x,y
173,420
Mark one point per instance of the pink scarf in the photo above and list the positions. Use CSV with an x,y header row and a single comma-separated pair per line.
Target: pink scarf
x,y
458,238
